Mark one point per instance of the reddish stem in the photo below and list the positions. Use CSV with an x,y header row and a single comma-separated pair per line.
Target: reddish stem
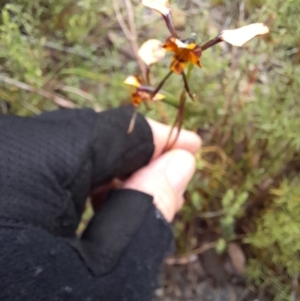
x,y
186,86
161,84
211,43
170,24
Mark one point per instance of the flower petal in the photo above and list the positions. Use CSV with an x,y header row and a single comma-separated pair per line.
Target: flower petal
x,y
177,66
151,52
162,6
132,80
170,45
158,97
194,59
146,96
239,36
136,99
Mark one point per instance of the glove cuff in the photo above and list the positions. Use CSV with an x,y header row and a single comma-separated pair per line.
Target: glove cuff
x,y
127,220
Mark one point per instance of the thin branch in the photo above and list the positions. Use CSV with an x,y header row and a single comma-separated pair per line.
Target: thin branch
x,y
82,94
132,121
134,35
211,214
295,288
130,32
242,12
56,46
60,101
131,20
4,107
174,260
30,107
121,21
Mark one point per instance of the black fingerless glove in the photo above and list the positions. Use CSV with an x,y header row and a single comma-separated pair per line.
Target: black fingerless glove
x,y
48,166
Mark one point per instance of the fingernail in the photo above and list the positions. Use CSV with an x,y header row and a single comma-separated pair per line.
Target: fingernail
x,y
180,170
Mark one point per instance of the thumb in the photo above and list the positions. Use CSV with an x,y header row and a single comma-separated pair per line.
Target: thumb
x,y
165,178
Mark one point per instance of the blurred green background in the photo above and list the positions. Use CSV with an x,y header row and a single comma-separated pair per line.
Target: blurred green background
x,y
75,53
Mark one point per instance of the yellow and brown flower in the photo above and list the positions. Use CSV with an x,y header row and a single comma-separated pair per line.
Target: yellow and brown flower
x,y
184,52
141,92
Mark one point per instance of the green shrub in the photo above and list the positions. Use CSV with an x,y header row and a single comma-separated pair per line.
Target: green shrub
x,y
277,248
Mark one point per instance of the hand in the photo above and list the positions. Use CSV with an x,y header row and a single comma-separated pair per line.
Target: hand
x,y
167,175
48,166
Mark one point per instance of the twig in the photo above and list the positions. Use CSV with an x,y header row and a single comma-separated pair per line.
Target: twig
x,y
82,94
181,260
131,20
211,214
4,107
132,121
60,101
294,294
242,12
58,47
134,35
189,254
130,32
67,58
121,21
30,107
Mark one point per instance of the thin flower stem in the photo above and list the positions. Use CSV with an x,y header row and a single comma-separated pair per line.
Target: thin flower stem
x,y
177,123
168,146
169,21
186,86
189,71
148,81
161,84
211,43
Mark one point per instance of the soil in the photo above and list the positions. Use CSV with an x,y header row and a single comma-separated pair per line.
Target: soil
x,y
189,282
